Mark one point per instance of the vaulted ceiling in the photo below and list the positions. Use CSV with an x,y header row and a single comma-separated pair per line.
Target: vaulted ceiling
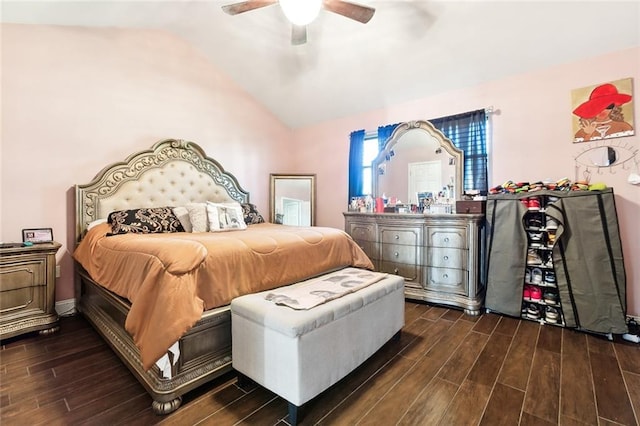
x,y
410,49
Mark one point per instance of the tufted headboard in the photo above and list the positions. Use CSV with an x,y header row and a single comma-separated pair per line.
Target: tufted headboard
x,y
172,173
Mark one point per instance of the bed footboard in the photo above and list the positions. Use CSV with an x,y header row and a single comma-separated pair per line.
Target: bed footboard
x,y
205,351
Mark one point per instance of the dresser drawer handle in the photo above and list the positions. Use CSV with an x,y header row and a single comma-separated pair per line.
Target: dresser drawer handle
x,y
396,254
397,237
446,258
446,240
445,276
395,271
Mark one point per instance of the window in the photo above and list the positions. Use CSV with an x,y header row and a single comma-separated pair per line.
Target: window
x,y
369,153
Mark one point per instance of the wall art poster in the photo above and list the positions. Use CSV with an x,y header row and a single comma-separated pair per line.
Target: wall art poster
x,y
603,111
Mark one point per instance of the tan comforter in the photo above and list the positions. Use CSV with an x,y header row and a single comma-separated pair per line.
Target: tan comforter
x,y
170,279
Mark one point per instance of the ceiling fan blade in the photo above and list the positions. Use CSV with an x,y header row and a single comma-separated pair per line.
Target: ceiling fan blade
x,y
298,34
350,10
245,6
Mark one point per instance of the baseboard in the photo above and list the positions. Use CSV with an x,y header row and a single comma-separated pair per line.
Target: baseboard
x,y
66,307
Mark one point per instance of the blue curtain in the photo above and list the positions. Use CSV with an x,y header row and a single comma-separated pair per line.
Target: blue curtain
x,y
355,164
383,134
467,131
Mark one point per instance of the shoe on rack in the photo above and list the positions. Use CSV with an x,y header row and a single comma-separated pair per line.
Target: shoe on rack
x,y
536,276
533,312
526,293
534,203
536,293
536,238
527,276
551,238
551,314
533,258
534,222
550,277
550,298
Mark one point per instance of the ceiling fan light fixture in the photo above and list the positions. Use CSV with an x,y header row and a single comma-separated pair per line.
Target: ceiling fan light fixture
x,y
301,12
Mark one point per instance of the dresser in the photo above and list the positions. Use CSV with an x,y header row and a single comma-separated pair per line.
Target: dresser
x,y
438,255
27,289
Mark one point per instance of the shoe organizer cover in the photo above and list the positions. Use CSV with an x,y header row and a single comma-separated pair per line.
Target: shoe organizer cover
x,y
587,258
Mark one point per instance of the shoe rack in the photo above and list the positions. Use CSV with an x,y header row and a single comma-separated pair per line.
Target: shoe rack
x,y
540,298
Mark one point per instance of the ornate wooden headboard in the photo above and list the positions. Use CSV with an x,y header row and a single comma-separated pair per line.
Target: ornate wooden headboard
x,y
173,172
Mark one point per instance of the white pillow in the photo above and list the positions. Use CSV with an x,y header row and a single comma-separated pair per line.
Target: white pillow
x,y
183,216
225,217
198,217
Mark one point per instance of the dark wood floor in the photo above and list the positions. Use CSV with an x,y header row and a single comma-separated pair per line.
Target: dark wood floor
x,y
447,368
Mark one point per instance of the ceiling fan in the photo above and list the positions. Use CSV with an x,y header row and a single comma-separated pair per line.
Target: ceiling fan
x,y
303,12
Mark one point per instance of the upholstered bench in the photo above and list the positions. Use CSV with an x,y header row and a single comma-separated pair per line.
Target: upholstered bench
x,y
298,354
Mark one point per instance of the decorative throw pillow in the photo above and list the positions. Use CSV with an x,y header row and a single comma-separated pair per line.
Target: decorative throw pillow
x,y
225,217
198,217
183,216
144,221
251,214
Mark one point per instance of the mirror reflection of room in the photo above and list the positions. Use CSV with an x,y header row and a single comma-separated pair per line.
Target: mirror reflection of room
x,y
292,198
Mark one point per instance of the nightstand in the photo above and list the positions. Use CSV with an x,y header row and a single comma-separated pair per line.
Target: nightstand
x,y
27,289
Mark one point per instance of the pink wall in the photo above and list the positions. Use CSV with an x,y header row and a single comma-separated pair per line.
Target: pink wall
x,y
75,100
531,140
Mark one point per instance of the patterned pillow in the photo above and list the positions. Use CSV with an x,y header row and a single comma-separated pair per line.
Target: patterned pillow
x,y
144,221
225,217
251,214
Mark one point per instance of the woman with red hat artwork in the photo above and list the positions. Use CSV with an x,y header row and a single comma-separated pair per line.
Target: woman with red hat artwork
x,y
601,116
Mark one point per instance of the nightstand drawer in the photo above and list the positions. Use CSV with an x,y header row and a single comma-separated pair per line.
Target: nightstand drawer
x,y
27,289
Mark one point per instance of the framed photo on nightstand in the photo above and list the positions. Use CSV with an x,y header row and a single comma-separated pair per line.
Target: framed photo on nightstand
x,y
37,235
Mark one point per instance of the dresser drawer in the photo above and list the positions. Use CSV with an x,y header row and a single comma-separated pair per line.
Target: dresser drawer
x,y
454,237
400,254
442,257
370,248
362,231
411,273
447,280
402,236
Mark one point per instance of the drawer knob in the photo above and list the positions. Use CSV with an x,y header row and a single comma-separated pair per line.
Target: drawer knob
x,y
446,240
445,276
395,271
397,237
446,258
396,254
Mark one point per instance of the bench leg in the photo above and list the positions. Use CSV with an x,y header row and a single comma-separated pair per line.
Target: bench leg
x,y
244,382
293,414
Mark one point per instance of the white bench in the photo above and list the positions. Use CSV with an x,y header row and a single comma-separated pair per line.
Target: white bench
x,y
298,354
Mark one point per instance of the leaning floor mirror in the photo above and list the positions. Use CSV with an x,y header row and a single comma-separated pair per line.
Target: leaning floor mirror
x,y
292,199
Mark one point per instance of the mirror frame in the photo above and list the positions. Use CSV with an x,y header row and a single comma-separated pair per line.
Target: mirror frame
x,y
426,126
276,177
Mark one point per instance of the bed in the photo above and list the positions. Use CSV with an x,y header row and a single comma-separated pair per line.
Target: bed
x,y
137,313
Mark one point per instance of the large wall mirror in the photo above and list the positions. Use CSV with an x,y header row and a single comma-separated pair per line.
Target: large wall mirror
x,y
416,159
292,199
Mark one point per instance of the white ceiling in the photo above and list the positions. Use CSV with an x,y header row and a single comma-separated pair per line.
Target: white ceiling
x,y
410,49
